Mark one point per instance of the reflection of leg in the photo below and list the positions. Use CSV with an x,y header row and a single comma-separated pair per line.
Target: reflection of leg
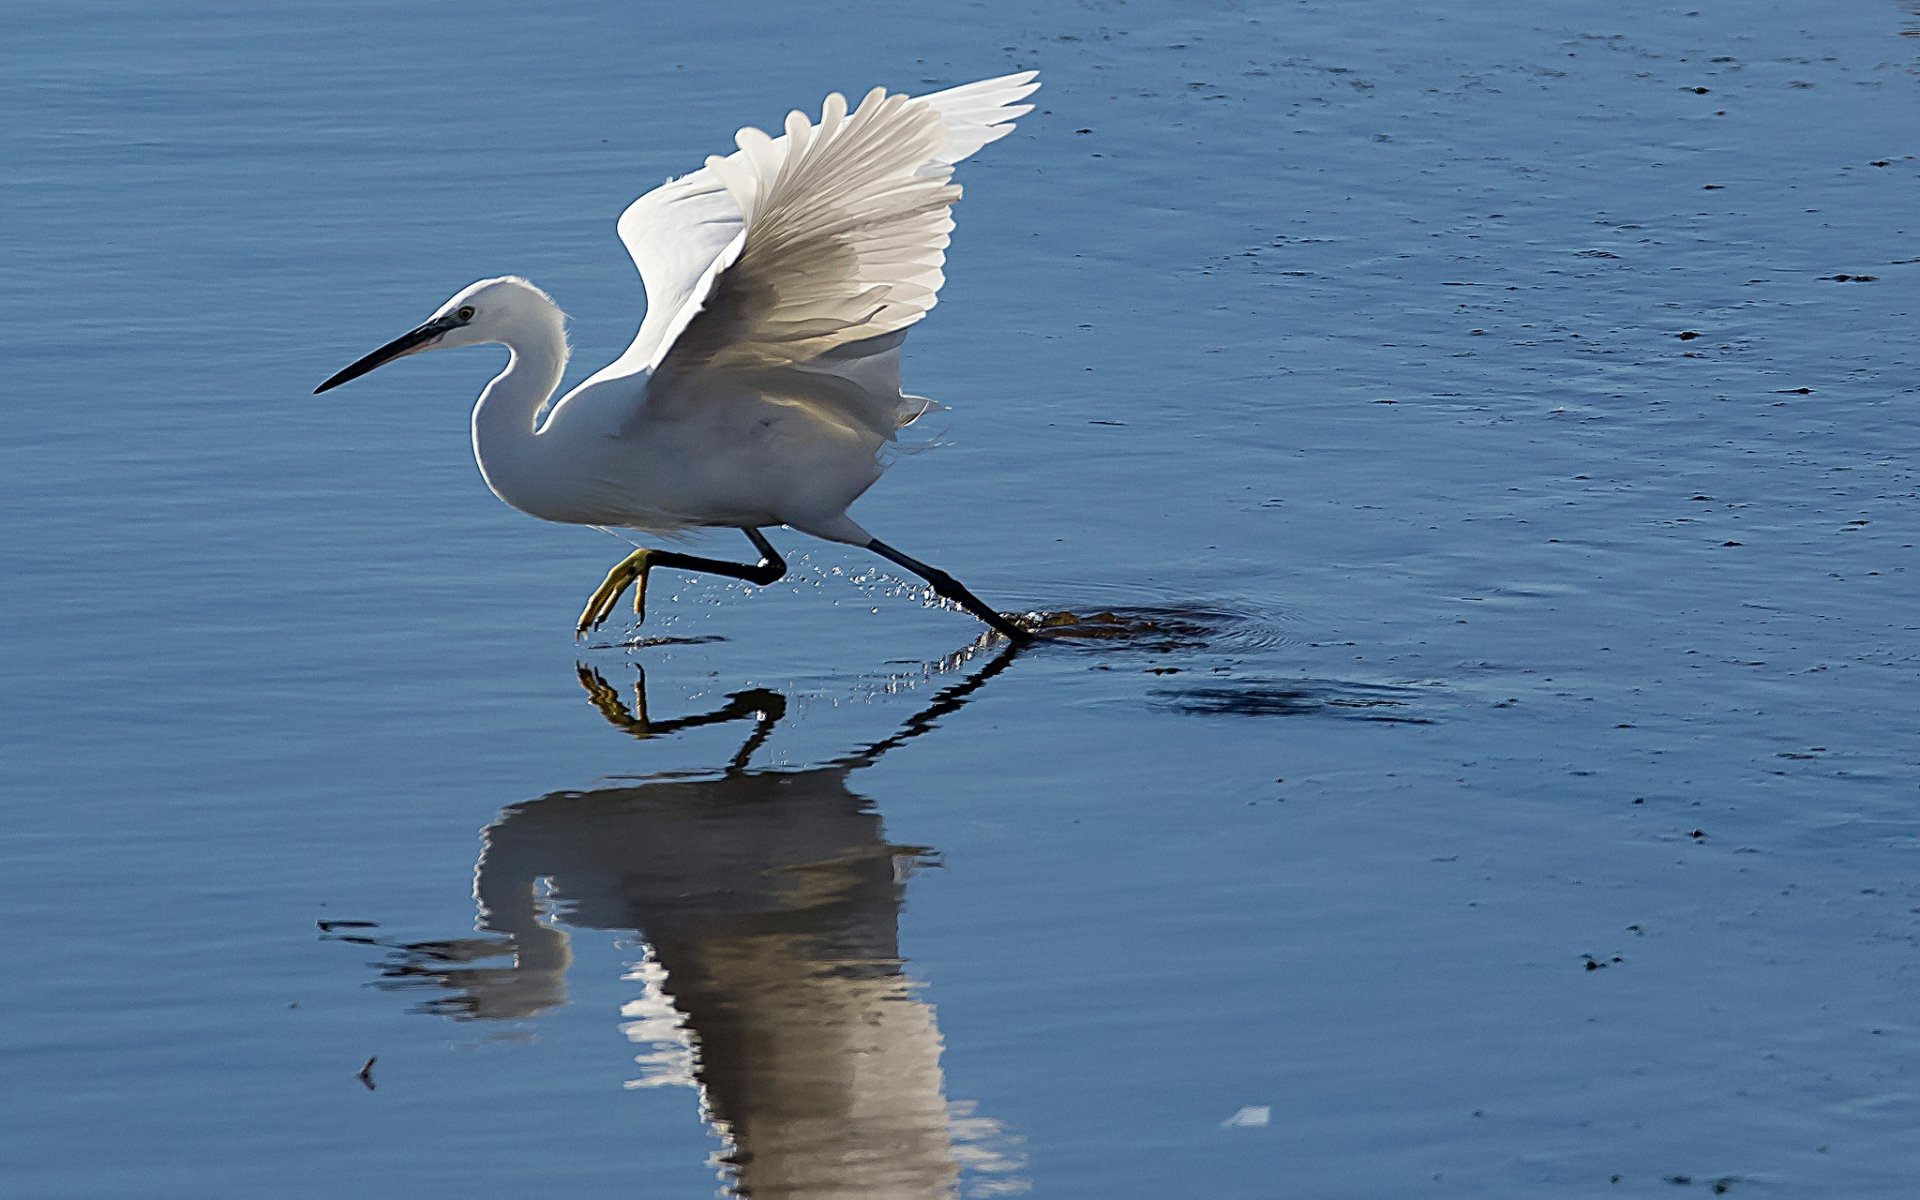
x,y
632,570
951,588
764,706
946,701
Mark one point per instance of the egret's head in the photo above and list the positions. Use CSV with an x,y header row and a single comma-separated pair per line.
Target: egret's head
x,y
493,310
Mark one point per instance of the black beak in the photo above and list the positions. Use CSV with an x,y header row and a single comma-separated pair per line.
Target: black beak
x,y
407,343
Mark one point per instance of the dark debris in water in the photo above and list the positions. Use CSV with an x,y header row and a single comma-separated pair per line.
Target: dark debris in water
x,y
1720,1186
1100,624
1160,629
1149,630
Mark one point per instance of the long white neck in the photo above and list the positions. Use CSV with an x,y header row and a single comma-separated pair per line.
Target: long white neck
x,y
507,441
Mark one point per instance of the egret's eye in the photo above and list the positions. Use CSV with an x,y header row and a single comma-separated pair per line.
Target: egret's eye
x,y
465,313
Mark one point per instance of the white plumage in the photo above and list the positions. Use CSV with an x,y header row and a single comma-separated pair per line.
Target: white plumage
x,y
765,378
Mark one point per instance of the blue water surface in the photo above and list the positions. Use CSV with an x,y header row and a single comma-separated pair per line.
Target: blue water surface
x,y
1494,426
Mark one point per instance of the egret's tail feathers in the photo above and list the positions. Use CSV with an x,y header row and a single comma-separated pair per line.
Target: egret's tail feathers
x,y
912,408
856,385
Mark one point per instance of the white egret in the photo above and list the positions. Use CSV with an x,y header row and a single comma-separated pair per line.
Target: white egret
x,y
765,379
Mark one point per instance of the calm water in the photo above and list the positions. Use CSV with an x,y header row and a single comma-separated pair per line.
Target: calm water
x,y
1505,419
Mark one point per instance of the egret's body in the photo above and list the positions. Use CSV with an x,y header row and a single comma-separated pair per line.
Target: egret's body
x,y
765,380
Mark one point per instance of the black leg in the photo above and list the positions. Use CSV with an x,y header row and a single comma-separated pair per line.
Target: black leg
x,y
632,570
946,585
768,570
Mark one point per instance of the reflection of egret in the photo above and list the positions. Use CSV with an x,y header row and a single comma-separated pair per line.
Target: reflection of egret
x,y
781,281
770,901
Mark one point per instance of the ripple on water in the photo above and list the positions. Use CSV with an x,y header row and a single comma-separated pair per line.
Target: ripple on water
x,y
642,641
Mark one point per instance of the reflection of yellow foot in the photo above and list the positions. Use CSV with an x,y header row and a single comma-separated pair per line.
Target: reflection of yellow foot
x,y
604,698
629,572
602,694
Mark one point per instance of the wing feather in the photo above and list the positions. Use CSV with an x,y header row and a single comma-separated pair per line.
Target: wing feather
x,y
844,237
776,264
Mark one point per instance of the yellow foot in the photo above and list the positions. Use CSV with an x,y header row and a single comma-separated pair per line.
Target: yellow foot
x,y
629,572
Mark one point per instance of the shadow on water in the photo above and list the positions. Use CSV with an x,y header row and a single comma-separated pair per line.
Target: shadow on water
x,y
1297,697
769,903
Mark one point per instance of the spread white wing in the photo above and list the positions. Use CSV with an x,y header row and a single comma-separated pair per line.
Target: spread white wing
x,y
797,249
